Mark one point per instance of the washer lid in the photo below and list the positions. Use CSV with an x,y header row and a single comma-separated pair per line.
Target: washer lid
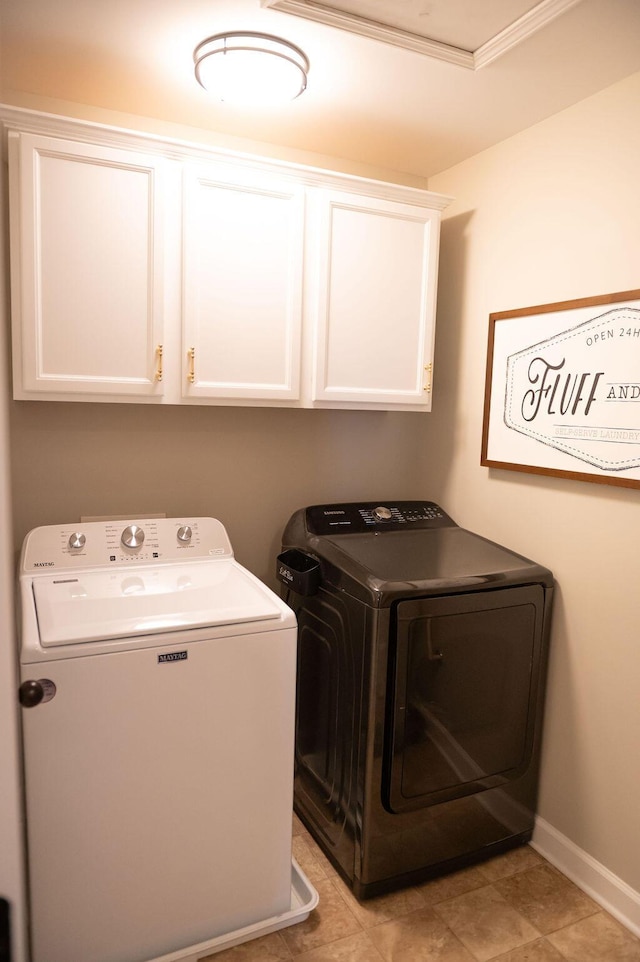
x,y
78,607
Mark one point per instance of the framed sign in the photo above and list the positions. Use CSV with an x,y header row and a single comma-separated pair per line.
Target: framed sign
x,y
562,394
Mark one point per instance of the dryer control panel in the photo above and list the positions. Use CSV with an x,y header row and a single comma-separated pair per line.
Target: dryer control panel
x,y
357,517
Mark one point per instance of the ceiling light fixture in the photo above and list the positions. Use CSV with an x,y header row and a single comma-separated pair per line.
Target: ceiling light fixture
x,y
243,67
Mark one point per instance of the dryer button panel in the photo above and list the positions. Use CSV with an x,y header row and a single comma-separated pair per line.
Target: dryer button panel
x,y
331,519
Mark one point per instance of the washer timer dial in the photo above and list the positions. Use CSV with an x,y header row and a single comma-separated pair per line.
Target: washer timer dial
x,y
381,513
132,536
185,533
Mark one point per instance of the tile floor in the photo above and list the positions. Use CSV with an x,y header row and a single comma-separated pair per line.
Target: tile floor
x,y
514,908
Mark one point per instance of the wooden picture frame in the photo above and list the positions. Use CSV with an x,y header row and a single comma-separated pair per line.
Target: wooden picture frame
x,y
562,391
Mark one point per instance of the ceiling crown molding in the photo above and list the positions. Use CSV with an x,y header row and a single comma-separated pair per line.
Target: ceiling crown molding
x,y
526,25
536,18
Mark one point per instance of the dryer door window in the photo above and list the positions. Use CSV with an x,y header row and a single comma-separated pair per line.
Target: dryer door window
x,y
463,694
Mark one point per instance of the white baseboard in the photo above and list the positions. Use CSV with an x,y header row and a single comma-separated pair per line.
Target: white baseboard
x,y
614,895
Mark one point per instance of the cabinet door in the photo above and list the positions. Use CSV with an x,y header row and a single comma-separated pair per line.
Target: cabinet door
x,y
87,270
243,252
377,266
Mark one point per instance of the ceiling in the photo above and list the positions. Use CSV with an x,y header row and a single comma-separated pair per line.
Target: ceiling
x,y
469,33
410,86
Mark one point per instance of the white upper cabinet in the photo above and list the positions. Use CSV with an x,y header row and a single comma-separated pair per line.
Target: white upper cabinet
x,y
242,308
377,268
154,271
86,269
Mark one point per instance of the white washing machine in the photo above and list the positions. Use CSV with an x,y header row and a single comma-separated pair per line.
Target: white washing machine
x,y
158,693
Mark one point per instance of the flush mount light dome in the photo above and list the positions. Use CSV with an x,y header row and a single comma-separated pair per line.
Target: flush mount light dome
x,y
251,68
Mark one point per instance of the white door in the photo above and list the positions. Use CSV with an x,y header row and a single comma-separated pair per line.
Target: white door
x,y
86,244
243,237
374,331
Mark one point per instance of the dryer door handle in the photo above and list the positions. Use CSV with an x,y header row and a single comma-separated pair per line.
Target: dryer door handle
x,y
433,654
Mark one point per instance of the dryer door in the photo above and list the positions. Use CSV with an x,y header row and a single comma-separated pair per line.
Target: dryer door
x,y
464,692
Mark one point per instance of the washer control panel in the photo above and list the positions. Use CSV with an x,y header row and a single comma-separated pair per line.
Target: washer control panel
x,y
107,543
356,517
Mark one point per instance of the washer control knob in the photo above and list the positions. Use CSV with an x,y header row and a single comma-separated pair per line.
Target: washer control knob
x,y
185,533
132,536
77,540
382,514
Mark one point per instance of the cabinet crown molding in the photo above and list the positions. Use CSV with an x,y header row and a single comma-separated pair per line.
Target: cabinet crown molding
x,y
91,132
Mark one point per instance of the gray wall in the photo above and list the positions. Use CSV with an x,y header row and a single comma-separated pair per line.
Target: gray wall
x,y
550,215
249,467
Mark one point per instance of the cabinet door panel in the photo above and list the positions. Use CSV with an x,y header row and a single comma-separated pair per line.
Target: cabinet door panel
x,y
243,286
377,274
88,302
